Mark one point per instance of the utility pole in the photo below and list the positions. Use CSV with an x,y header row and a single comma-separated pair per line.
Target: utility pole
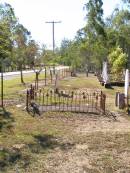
x,y
53,32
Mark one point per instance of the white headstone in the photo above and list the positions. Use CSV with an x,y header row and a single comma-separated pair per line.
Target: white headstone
x,y
126,83
104,73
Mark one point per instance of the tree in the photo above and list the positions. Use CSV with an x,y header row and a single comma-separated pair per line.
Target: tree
x,y
117,60
7,25
5,42
64,52
94,43
95,17
21,39
119,30
32,52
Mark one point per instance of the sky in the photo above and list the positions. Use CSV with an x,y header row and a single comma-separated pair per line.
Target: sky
x,y
34,14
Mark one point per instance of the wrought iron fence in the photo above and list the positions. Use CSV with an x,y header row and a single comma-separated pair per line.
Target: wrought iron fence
x,y
67,100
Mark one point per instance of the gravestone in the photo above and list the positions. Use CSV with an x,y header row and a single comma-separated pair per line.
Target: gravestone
x,y
126,83
120,100
104,73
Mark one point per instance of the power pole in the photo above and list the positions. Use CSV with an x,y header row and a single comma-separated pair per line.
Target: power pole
x,y
53,34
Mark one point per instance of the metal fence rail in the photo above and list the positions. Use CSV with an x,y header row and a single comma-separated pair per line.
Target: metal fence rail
x,y
67,100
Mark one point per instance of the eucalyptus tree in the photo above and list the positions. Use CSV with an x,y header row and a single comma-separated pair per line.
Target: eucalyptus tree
x,y
22,36
5,43
32,53
64,51
119,31
95,41
8,22
94,17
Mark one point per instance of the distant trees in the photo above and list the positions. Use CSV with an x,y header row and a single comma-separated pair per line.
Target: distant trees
x,y
100,38
17,49
92,44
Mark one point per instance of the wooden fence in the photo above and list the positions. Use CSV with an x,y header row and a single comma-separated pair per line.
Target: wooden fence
x,y
65,100
51,75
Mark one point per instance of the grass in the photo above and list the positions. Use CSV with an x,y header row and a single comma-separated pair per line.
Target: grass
x,y
38,136
13,87
32,143
59,142
82,82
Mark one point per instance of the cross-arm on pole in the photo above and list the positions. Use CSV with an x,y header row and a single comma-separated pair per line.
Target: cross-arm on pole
x,y
53,32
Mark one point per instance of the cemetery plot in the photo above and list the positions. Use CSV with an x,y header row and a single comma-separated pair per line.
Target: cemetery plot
x,y
67,100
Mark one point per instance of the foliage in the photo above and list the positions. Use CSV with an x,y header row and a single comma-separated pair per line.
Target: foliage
x,y
91,45
118,61
95,17
6,25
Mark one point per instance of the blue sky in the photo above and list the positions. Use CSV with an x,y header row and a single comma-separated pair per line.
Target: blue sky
x,y
34,13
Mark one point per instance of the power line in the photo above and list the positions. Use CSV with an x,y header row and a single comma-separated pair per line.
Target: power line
x,y
53,32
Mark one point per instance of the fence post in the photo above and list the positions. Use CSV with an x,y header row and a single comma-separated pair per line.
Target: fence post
x,y
102,102
27,100
45,76
62,73
51,76
120,100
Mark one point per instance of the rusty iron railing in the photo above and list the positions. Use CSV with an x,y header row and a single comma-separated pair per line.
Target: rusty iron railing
x,y
67,100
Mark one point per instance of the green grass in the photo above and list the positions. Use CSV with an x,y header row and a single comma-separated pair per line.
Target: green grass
x,y
13,87
38,136
29,143
91,82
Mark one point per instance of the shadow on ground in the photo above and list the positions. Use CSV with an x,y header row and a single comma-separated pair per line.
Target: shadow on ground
x,y
8,157
6,120
12,158
43,143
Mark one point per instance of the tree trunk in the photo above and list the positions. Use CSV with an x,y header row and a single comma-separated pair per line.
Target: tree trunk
x,y
21,74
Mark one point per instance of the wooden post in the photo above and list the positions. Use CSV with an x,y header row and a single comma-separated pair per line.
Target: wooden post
x,y
102,101
37,74
2,88
62,73
43,102
69,73
45,76
27,100
72,95
51,76
54,70
51,103
56,81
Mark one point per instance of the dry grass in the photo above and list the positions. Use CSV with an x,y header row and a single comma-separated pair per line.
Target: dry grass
x,y
65,142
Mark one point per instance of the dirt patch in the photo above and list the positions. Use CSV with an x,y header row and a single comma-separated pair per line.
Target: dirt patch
x,y
101,145
103,124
